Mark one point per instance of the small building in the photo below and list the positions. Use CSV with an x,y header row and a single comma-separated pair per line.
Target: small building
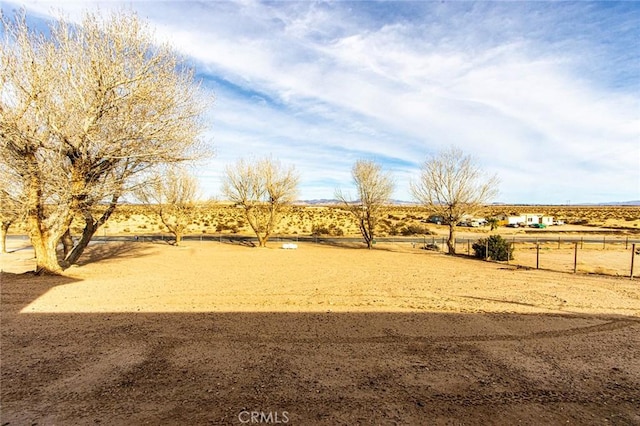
x,y
528,219
547,220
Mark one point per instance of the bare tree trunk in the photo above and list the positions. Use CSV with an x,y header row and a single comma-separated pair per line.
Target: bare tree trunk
x,y
45,244
177,230
45,250
90,228
72,256
44,241
67,242
4,229
451,242
371,227
368,238
263,236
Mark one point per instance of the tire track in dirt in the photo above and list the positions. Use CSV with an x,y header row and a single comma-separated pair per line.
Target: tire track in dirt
x,y
537,396
393,337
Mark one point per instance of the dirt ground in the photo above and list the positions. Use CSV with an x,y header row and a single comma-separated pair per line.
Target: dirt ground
x,y
212,333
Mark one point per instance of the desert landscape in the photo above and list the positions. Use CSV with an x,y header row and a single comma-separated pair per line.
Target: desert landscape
x,y
334,220
215,333
292,213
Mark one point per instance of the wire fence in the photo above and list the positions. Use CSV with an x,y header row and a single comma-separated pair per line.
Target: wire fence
x,y
593,255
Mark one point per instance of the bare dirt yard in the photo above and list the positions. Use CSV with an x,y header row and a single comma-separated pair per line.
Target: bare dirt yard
x,y
212,333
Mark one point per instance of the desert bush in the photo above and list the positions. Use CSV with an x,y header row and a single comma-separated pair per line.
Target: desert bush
x,y
319,230
414,229
499,248
332,229
580,222
230,226
336,230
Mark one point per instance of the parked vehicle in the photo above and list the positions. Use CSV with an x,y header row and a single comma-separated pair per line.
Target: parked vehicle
x,y
474,223
438,220
538,225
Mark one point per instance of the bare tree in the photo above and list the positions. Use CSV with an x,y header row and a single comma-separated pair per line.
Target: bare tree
x,y
262,188
374,192
84,112
173,196
11,204
452,186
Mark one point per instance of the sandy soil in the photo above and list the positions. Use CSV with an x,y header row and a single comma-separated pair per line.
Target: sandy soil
x,y
214,333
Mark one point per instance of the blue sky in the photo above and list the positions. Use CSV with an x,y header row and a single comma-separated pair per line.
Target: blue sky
x,y
544,94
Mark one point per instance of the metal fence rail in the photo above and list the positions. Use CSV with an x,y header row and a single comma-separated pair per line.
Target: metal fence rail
x,y
578,255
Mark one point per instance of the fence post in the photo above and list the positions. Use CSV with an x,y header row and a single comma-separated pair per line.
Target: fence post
x,y
626,243
581,243
486,249
537,255
468,247
575,258
558,242
604,242
633,256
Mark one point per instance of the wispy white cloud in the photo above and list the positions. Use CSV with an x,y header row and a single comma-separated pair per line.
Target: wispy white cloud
x,y
546,95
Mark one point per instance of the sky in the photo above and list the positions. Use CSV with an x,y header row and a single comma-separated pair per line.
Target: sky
x,y
546,95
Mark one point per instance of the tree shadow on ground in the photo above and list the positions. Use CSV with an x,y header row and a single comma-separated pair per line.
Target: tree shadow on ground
x,y
235,240
19,290
385,246
113,250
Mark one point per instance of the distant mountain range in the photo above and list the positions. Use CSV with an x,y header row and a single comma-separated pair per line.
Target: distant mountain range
x,y
614,203
332,202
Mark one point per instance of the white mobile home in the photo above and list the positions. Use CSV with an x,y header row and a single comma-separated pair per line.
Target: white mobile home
x,y
547,220
528,219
